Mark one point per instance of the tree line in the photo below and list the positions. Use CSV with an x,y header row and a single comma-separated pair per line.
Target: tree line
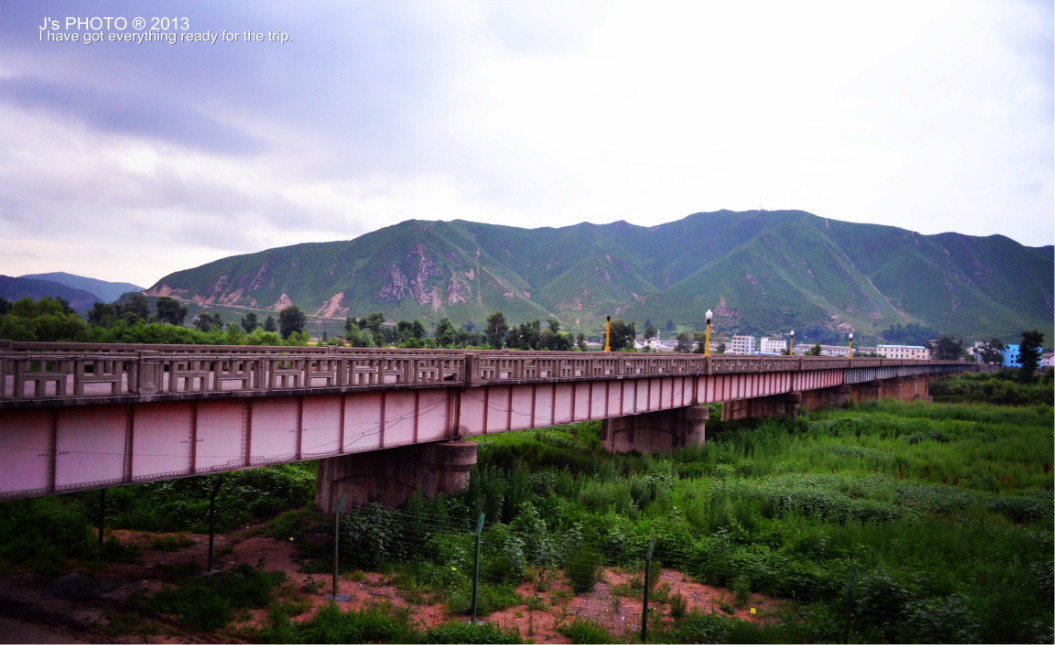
x,y
130,320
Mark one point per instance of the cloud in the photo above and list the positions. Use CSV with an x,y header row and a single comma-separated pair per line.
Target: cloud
x,y
934,116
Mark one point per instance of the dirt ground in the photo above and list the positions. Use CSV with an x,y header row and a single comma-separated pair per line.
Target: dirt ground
x,y
90,605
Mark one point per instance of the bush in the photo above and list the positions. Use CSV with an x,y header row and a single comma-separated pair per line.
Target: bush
x,y
582,630
208,603
582,566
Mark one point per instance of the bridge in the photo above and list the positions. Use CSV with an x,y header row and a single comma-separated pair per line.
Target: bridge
x,y
382,422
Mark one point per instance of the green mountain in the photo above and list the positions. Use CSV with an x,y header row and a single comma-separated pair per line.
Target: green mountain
x,y
760,271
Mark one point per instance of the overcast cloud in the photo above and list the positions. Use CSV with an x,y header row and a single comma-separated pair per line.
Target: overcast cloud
x,y
126,162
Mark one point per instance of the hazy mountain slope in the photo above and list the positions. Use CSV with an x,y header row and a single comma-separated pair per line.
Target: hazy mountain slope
x,y
105,291
761,271
17,288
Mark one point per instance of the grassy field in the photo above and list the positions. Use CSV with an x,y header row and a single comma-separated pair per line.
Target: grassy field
x,y
942,513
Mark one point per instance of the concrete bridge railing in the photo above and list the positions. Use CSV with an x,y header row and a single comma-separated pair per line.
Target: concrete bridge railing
x,y
79,373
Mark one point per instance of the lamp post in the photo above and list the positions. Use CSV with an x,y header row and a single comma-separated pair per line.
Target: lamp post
x,y
791,352
607,332
707,335
851,345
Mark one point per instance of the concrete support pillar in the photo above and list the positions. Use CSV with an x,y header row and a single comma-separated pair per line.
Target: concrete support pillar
x,y
765,406
814,399
655,431
920,388
391,476
867,391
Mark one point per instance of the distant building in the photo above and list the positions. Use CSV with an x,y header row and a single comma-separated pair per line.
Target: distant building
x,y
741,345
767,345
1011,356
835,350
914,352
1047,359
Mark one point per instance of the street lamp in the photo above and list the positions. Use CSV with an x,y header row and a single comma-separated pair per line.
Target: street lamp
x,y
607,332
851,345
791,352
707,336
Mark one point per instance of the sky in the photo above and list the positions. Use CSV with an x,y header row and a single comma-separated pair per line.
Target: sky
x,y
267,123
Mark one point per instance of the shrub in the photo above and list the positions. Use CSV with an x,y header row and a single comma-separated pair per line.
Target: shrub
x,y
582,567
582,630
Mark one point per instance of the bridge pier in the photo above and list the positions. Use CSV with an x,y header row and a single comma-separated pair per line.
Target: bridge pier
x,y
814,399
391,476
764,406
906,388
661,431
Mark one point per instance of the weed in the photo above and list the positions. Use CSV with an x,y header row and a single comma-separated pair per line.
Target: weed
x,y
171,542
582,630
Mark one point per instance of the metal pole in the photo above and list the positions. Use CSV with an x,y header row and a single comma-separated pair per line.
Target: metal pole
x,y
648,575
212,519
102,513
336,539
707,338
849,601
607,332
476,565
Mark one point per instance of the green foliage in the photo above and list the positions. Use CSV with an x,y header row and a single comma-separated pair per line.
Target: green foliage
x,y
42,533
183,504
496,330
1029,354
291,320
209,603
460,632
582,566
584,630
997,389
379,623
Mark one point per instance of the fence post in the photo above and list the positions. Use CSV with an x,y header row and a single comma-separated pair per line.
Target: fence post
x,y
336,539
648,576
102,513
212,519
476,565
849,602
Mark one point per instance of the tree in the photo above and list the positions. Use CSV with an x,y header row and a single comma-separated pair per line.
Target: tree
x,y
991,351
269,324
720,349
170,311
684,345
136,304
249,323
103,315
670,324
701,343
622,335
813,351
352,334
650,332
290,320
580,341
444,334
205,321
496,330
947,348
1029,354
5,306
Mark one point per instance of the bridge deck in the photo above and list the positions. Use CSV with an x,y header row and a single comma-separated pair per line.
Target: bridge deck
x,y
49,374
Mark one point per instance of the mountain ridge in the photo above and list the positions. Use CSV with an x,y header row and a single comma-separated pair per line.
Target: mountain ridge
x,y
773,270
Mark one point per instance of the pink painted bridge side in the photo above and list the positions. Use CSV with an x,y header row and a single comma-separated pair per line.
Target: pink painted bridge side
x,y
76,417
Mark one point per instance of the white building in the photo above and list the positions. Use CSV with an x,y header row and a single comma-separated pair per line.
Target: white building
x,y
915,352
741,345
767,345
